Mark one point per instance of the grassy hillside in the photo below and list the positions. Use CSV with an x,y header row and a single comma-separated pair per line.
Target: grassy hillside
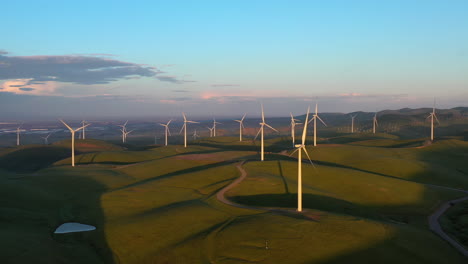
x,y
364,204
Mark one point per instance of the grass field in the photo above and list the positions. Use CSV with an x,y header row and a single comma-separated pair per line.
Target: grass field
x,y
366,202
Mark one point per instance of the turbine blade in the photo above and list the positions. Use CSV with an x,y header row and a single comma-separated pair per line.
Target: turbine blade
x,y
304,131
168,131
169,122
312,119
263,115
66,125
271,127
182,129
185,118
305,150
243,117
258,133
290,155
321,120
435,116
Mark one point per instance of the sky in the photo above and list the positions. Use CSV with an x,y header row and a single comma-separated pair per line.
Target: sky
x,y
224,58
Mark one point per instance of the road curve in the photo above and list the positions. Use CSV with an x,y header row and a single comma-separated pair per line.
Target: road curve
x,y
434,224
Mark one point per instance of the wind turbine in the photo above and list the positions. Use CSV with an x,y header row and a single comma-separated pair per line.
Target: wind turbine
x,y
433,116
352,123
18,135
83,132
293,125
166,126
260,131
299,149
72,131
241,126
211,131
184,128
195,135
214,127
46,139
125,134
316,116
123,130
374,123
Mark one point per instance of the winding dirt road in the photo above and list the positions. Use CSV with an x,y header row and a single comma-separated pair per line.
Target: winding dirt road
x,y
433,219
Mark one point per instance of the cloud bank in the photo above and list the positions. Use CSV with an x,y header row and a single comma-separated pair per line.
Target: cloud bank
x,y
78,69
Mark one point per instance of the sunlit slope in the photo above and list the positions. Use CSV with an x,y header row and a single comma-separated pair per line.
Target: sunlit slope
x,y
442,163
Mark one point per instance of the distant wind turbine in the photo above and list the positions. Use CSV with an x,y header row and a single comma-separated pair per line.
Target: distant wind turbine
x,y
72,131
211,131
46,139
124,130
184,128
195,135
352,123
83,132
374,123
299,149
214,127
293,125
315,117
18,135
167,132
433,116
241,126
260,131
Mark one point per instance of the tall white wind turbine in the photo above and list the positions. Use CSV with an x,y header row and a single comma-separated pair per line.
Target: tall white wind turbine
x,y
433,116
260,131
293,126
166,127
18,130
184,128
214,127
72,131
124,129
125,135
374,123
299,149
352,123
314,118
83,132
241,126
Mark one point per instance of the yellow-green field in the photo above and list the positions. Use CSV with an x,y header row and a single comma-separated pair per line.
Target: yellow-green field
x,y
364,203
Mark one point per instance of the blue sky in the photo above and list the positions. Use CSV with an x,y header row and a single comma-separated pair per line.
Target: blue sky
x,y
219,56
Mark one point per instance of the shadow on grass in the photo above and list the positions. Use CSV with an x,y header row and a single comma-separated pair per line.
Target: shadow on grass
x,y
31,159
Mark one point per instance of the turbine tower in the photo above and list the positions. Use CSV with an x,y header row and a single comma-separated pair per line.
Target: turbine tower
x,y
260,131
184,128
352,123
211,131
18,135
83,132
241,126
316,116
125,134
374,123
214,127
46,139
433,116
293,125
72,131
166,126
299,149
